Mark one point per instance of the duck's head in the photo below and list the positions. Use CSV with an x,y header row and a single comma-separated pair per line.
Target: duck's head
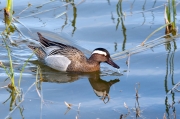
x,y
102,55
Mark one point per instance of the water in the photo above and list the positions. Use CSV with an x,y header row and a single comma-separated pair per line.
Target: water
x,y
89,25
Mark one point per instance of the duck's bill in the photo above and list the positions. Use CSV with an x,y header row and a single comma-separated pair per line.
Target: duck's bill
x,y
110,62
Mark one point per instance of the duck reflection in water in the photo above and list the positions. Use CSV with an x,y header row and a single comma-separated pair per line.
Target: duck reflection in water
x,y
101,87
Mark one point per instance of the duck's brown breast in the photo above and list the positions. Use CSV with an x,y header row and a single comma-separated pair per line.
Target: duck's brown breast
x,y
84,66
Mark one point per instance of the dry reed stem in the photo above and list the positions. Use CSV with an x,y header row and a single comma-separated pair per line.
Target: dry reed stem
x,y
29,5
164,117
67,104
174,88
45,11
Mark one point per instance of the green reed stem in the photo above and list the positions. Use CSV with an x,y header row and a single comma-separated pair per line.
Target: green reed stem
x,y
11,73
22,70
174,12
8,13
9,10
168,12
9,5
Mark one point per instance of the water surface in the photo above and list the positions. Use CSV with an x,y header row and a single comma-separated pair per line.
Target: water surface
x,y
116,26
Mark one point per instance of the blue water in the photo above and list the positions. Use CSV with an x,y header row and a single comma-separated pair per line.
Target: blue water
x,y
89,25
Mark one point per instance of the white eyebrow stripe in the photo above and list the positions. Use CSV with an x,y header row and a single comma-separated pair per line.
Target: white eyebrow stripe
x,y
99,52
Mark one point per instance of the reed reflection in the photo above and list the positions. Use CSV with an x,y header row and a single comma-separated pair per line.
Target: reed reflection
x,y
120,19
171,47
74,18
152,12
143,15
109,3
170,106
132,5
73,22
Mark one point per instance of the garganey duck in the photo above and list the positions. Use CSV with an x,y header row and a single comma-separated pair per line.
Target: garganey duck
x,y
68,58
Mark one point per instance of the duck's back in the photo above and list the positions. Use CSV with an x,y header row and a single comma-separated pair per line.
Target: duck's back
x,y
62,57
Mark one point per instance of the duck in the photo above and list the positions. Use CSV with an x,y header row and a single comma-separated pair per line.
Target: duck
x,y
67,58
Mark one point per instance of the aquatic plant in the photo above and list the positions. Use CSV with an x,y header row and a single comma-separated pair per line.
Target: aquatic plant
x,y
7,41
6,37
170,27
170,11
16,94
8,13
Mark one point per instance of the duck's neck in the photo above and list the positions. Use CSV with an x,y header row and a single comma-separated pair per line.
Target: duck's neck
x,y
92,65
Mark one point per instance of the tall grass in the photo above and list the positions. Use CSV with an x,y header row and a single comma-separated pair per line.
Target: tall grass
x,y
170,13
9,72
16,92
8,18
170,21
6,38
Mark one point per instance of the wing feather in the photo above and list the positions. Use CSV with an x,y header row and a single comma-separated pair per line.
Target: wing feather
x,y
47,43
56,48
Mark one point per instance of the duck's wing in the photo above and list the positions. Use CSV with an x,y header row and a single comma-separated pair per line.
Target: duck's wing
x,y
47,43
68,51
66,39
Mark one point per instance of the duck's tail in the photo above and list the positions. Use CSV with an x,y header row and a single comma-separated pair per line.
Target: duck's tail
x,y
45,42
38,51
